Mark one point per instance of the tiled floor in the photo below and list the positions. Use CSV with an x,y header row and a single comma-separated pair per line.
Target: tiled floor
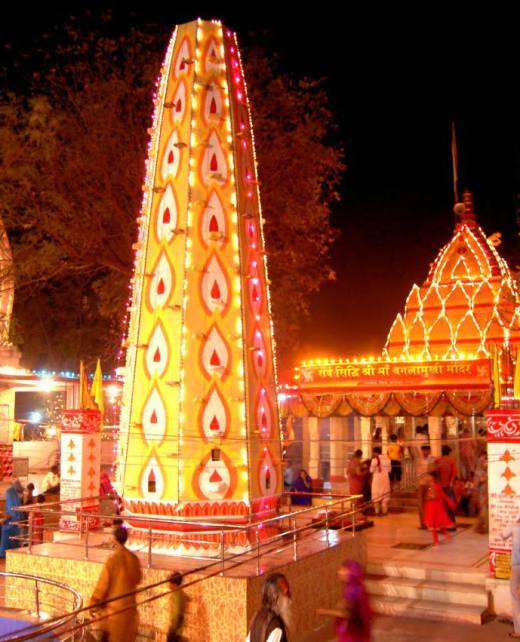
x,y
467,549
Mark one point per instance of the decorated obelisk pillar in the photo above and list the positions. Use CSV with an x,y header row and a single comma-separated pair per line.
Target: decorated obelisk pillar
x,y
199,433
80,466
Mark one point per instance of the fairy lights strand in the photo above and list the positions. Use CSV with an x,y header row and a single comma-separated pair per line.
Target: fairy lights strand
x,y
262,256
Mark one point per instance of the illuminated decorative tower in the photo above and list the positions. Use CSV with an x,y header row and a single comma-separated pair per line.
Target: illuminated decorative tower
x,y
199,430
468,303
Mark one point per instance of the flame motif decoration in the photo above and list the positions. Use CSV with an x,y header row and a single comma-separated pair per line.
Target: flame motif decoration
x,y
154,418
157,352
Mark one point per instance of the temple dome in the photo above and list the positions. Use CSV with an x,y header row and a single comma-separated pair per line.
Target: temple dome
x,y
468,301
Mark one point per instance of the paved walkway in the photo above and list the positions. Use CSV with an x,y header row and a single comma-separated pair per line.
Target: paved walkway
x,y
389,629
396,538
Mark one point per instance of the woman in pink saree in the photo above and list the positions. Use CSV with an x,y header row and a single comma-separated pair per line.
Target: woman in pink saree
x,y
353,616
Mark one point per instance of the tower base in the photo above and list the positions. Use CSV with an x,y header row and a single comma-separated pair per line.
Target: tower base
x,y
219,608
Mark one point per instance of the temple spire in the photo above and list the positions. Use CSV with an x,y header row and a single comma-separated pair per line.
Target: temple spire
x,y
455,162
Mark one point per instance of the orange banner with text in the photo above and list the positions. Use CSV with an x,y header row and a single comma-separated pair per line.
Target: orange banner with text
x,y
396,375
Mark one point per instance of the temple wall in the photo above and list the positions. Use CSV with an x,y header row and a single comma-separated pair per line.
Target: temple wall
x,y
220,608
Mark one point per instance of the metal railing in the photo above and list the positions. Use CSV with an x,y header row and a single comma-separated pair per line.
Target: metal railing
x,y
201,538
337,511
39,599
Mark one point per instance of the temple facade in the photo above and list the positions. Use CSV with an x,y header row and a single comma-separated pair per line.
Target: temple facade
x,y
450,355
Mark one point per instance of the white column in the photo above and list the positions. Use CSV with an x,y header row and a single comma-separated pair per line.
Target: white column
x,y
435,432
384,424
409,428
452,426
366,437
311,437
357,434
338,459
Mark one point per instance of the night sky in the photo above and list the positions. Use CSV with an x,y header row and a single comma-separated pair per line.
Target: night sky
x,y
396,80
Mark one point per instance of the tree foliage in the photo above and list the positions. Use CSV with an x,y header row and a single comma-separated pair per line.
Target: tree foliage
x,y
72,148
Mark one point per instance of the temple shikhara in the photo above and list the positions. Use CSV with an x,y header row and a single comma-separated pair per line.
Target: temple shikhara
x,y
199,429
467,304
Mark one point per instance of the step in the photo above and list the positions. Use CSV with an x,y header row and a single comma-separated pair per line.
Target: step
x,y
438,574
427,610
428,590
408,505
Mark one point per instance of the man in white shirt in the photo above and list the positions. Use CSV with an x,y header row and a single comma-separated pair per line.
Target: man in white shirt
x,y
51,481
380,468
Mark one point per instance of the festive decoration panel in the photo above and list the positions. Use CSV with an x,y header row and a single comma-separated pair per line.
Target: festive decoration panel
x,y
503,433
199,428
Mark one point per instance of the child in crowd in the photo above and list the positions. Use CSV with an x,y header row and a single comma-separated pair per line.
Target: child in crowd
x,y
436,517
177,606
467,503
394,454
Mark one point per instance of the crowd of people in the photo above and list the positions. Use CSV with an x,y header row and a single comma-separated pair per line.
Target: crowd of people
x,y
114,606
15,523
442,491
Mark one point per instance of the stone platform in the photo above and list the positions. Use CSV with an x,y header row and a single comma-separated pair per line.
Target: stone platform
x,y
220,607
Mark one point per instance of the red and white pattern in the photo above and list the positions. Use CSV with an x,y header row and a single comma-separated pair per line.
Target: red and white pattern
x,y
212,59
215,354
214,286
214,480
183,61
154,418
171,158
161,283
167,214
178,109
503,425
214,416
152,480
213,104
213,222
157,353
268,479
264,419
259,355
214,168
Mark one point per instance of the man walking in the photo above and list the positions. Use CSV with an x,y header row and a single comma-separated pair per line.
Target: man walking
x,y
121,574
